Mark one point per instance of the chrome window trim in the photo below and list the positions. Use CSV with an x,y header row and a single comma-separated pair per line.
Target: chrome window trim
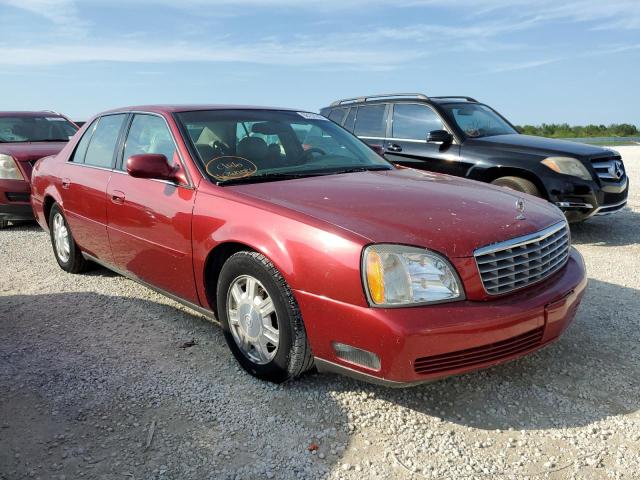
x,y
520,241
89,166
188,187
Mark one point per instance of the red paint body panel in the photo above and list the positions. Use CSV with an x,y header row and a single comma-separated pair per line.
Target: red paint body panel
x,y
150,232
390,206
314,230
399,336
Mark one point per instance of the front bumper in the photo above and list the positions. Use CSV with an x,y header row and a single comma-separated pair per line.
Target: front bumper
x,y
581,199
446,333
14,200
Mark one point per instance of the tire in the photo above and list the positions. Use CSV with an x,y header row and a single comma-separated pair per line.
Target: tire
x,y
247,281
69,257
4,224
518,184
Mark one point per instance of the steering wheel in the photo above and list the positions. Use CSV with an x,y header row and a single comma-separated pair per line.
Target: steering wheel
x,y
312,150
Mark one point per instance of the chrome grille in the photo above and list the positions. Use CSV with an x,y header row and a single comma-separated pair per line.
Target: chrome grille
x,y
609,169
522,261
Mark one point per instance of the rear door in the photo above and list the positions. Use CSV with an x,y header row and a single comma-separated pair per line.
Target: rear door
x,y
84,184
407,140
369,122
149,221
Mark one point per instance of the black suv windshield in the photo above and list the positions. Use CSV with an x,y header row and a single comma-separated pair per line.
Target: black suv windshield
x,y
477,120
242,146
21,129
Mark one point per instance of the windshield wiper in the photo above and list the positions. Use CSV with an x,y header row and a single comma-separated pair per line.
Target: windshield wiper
x,y
268,177
48,140
371,168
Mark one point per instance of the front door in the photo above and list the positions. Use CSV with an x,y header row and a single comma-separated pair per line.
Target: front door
x,y
407,143
84,185
149,221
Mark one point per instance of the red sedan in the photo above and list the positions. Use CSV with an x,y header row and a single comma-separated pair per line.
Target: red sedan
x,y
307,246
26,137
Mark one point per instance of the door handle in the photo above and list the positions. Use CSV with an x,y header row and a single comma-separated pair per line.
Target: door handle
x,y
394,147
117,197
66,183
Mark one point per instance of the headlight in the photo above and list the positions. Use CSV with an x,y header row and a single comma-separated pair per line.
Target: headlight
x,y
8,168
568,166
396,275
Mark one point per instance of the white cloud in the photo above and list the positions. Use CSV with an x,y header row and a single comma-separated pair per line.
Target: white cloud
x,y
63,14
269,53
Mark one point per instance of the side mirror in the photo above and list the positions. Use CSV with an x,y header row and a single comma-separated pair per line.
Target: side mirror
x,y
379,149
439,136
150,165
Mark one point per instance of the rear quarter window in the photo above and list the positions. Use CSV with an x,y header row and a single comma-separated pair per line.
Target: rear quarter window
x,y
83,144
338,115
101,150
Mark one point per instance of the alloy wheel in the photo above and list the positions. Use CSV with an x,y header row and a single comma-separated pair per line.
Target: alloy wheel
x,y
252,319
61,238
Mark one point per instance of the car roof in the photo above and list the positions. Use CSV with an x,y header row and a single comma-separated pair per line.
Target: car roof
x,y
159,108
42,113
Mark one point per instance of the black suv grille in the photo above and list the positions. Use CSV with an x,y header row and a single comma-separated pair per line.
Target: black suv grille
x,y
609,169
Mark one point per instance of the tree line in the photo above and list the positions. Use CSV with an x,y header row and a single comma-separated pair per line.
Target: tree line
x,y
564,130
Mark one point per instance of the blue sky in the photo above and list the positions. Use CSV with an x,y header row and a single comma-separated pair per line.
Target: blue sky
x,y
534,60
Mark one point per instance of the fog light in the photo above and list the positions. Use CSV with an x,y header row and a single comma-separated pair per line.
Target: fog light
x,y
356,355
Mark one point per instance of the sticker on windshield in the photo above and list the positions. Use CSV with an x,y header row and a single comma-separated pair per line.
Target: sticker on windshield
x,y
311,116
229,167
56,119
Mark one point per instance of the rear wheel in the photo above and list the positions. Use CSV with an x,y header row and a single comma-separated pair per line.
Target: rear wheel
x,y
518,184
261,319
65,248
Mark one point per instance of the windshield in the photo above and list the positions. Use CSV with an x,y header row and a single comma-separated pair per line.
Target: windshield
x,y
260,145
36,129
478,120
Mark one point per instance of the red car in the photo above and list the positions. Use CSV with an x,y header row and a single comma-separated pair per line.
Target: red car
x,y
307,246
26,137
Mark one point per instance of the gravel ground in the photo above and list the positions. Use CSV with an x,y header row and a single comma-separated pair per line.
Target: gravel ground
x,y
95,384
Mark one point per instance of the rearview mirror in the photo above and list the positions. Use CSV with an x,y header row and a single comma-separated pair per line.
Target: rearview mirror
x,y
439,136
150,165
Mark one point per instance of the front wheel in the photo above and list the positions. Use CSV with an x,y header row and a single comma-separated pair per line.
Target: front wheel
x,y
65,248
261,320
518,184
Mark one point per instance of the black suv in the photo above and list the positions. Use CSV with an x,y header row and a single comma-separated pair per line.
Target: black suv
x,y
461,136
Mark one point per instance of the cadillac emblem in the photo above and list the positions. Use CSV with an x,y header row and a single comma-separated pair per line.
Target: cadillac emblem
x,y
520,207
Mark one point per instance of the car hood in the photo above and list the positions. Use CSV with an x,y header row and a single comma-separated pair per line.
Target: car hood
x,y
447,214
538,145
28,152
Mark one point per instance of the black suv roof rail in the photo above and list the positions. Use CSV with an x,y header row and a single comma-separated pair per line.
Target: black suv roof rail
x,y
368,98
468,99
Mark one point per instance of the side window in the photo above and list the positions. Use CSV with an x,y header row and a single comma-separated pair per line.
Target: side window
x,y
351,119
149,134
370,121
337,115
414,121
81,148
104,140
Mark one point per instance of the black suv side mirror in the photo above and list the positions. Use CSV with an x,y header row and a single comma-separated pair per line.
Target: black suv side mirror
x,y
439,136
